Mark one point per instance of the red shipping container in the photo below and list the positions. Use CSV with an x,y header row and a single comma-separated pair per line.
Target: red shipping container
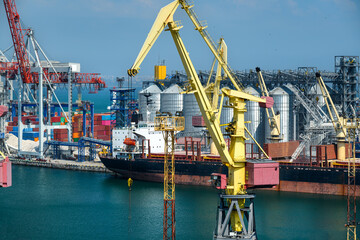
x,y
55,119
281,150
60,130
198,121
99,128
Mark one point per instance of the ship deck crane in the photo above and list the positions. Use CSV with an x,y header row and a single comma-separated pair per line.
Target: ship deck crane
x,y
231,222
338,122
341,127
273,119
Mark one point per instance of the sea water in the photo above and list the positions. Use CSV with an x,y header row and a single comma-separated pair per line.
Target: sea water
x,y
61,204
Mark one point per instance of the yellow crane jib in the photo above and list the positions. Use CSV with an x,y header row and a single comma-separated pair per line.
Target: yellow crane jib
x,y
163,18
338,122
273,118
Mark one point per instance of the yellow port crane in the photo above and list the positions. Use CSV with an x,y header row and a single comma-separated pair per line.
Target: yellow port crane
x,y
338,122
273,119
341,127
235,220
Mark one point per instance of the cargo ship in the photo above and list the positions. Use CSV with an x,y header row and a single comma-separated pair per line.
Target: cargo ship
x,y
145,168
294,177
321,175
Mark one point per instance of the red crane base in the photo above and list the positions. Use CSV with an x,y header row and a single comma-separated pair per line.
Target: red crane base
x,y
5,173
169,220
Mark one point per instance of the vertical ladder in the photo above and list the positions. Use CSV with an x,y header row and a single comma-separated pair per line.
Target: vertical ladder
x,y
168,125
351,193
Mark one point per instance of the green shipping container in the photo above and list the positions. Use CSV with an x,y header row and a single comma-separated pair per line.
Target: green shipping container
x,y
56,123
62,119
75,139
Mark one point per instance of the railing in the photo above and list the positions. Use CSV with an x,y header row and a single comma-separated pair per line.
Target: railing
x,y
166,123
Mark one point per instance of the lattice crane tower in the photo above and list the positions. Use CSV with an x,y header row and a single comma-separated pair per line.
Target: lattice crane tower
x,y
168,125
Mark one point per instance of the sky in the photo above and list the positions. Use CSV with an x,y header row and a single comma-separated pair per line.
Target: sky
x,y
105,36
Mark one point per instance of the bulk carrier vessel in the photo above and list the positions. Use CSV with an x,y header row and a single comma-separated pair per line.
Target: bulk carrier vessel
x,y
323,174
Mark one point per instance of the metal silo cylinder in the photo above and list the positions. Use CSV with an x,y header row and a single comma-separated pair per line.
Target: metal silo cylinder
x,y
149,102
190,109
255,115
281,98
171,100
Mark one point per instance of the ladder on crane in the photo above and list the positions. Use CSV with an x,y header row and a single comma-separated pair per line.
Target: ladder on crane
x,y
168,125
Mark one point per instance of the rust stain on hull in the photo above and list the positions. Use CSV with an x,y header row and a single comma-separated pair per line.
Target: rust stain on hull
x,y
159,177
317,188
286,186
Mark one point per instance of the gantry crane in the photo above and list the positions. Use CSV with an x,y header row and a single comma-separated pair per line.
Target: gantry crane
x,y
18,34
18,37
341,127
232,211
273,119
41,76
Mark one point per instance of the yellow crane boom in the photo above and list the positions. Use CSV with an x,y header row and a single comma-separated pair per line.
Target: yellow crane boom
x,y
163,18
339,123
234,157
273,119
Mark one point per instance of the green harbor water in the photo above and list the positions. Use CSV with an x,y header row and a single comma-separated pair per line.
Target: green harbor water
x,y
59,204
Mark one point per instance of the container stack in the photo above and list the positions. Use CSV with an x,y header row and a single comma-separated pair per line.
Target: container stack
x,y
28,133
59,134
77,127
102,127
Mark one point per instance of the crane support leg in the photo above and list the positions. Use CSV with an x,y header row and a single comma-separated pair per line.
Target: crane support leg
x,y
230,204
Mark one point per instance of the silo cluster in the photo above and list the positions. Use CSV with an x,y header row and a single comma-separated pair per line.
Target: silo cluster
x,y
153,100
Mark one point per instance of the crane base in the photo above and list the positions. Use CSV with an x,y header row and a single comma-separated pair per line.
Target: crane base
x,y
228,204
5,173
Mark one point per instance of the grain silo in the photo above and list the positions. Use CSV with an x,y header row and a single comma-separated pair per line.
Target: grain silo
x,y
149,103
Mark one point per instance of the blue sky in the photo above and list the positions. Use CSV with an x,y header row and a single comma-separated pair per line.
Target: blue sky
x,y
105,36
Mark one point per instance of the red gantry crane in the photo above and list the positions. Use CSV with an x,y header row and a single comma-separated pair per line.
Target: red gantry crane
x,y
41,73
18,34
